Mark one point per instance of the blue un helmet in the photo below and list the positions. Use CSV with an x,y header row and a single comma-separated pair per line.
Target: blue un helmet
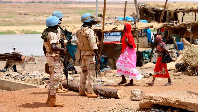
x,y
57,14
87,17
52,21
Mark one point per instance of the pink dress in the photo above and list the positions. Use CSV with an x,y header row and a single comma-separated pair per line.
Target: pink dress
x,y
126,64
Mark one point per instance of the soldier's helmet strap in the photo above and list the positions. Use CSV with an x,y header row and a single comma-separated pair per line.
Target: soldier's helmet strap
x,y
87,18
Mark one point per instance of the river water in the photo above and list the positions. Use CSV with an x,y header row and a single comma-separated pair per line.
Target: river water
x,y
26,43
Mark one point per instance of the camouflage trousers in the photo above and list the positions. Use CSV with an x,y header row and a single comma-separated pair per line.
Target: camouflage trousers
x,y
88,72
56,73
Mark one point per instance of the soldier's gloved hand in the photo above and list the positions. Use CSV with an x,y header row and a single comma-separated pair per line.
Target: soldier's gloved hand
x,y
98,59
62,52
97,55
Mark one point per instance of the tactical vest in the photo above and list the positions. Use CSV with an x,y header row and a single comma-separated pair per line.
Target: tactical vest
x,y
45,37
83,42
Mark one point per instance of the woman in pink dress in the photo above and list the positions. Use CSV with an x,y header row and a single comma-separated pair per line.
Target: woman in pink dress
x,y
126,64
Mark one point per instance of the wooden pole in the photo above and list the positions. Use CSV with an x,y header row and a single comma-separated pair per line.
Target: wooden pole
x,y
167,17
104,13
102,37
167,37
163,12
125,10
183,16
195,16
152,47
191,34
107,92
96,8
138,42
136,6
175,44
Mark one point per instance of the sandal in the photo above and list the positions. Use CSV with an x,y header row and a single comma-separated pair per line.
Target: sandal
x,y
122,82
168,84
150,84
130,84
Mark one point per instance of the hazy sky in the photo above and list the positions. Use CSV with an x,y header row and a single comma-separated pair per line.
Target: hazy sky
x,y
141,0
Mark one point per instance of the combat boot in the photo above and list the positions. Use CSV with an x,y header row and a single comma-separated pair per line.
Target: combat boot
x,y
92,95
66,90
54,103
48,99
60,91
82,93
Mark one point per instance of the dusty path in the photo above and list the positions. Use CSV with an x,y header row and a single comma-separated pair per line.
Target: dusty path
x,y
33,100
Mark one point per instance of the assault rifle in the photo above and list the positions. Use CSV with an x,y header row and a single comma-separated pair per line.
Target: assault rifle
x,y
66,33
65,62
96,66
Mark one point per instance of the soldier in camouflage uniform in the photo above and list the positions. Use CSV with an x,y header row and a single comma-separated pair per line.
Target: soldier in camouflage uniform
x,y
53,52
59,15
87,43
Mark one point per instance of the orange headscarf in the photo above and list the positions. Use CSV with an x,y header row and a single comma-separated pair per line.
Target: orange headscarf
x,y
161,45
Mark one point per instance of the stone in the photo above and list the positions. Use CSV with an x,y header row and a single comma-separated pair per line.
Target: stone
x,y
177,74
179,99
146,75
171,65
136,95
146,69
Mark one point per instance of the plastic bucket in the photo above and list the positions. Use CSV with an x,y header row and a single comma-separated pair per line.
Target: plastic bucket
x,y
180,45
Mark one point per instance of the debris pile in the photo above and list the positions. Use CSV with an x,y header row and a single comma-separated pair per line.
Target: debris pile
x,y
37,79
9,56
186,100
173,6
190,58
146,70
119,25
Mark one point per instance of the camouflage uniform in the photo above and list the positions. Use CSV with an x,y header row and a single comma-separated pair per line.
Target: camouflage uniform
x,y
54,62
60,36
87,43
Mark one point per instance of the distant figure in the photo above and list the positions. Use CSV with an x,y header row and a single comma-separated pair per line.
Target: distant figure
x,y
24,59
13,50
12,65
126,64
160,69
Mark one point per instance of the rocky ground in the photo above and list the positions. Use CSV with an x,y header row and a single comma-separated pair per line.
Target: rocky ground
x,y
30,100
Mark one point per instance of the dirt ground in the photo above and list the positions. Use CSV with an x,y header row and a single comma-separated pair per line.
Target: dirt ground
x,y
18,17
33,100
